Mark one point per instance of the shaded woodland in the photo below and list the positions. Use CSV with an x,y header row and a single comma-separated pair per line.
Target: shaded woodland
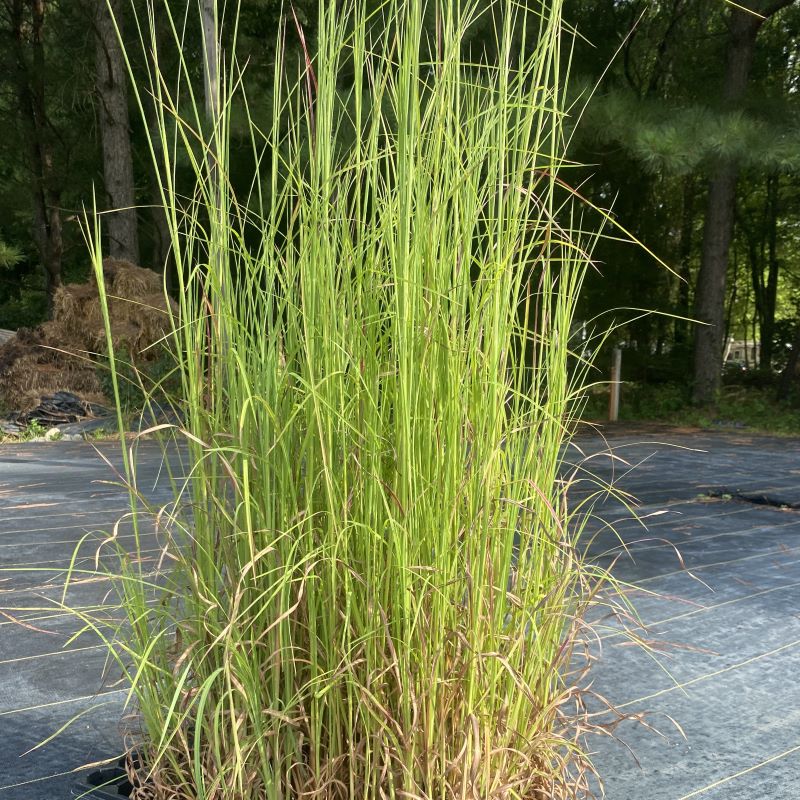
x,y
685,121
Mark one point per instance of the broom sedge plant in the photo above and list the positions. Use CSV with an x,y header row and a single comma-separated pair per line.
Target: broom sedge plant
x,y
368,584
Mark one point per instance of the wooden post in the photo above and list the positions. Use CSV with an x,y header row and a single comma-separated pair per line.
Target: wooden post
x,y
616,369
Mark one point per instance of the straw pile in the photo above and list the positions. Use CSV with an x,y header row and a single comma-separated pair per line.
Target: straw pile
x,y
62,354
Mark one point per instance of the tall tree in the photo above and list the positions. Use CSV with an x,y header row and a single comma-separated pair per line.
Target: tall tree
x,y
759,230
27,40
112,91
655,133
744,25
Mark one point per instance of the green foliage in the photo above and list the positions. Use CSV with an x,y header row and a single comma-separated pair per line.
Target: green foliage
x,y
73,132
33,430
741,406
26,306
9,256
754,408
369,584
682,139
649,133
154,380
653,129
649,401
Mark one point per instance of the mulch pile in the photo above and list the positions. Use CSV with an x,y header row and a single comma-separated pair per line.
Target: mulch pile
x,y
61,355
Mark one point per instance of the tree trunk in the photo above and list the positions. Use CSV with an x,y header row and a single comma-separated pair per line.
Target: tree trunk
x,y
755,256
718,230
210,59
162,237
45,187
684,259
161,258
112,91
732,297
211,67
789,374
770,296
710,295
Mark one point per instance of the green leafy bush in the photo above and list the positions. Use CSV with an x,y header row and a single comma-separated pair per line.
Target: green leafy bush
x,y
155,379
740,405
27,307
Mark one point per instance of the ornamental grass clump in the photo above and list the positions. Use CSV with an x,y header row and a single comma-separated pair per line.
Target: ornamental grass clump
x,y
368,583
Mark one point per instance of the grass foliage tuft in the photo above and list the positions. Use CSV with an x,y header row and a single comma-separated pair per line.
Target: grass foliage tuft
x,y
369,585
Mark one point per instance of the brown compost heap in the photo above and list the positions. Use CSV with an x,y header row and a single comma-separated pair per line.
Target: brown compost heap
x,y
62,354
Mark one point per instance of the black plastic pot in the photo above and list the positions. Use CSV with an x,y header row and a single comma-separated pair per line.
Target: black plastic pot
x,y
105,784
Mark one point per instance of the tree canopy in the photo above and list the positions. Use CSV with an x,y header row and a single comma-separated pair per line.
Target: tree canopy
x,y
685,123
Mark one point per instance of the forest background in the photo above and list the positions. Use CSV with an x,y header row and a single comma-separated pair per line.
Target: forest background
x,y
685,123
